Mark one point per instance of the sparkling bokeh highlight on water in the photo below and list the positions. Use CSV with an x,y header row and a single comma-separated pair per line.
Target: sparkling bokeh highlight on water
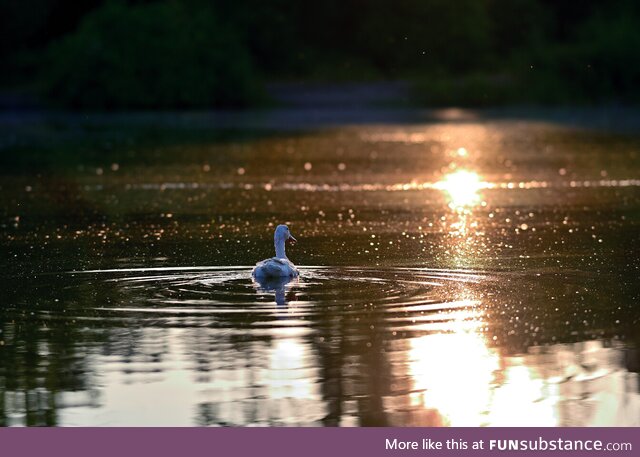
x,y
461,273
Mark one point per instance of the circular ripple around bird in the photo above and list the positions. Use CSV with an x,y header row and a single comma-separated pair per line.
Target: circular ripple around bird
x,y
401,298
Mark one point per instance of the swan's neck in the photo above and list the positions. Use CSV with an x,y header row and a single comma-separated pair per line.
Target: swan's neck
x,y
280,249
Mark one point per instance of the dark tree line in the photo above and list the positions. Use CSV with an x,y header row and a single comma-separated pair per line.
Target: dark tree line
x,y
169,53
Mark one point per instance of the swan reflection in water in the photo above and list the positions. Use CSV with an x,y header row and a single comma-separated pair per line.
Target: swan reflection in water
x,y
280,286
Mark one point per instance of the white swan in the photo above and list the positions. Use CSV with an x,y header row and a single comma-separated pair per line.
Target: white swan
x,y
278,266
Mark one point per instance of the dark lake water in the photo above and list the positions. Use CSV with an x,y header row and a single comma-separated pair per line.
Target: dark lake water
x,y
476,272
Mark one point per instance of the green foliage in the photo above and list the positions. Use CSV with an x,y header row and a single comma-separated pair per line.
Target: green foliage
x,y
433,35
601,62
516,25
139,54
158,55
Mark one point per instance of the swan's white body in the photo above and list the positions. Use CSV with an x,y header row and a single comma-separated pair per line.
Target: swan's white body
x,y
279,266
275,268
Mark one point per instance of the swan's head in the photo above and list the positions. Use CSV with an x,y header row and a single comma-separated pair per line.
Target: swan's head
x,y
283,234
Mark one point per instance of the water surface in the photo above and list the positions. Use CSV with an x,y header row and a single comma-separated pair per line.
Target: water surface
x,y
471,272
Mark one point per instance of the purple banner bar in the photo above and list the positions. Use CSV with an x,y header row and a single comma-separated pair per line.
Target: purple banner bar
x,y
316,442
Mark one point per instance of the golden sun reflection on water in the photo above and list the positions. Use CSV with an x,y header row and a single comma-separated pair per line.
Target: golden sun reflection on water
x,y
459,375
453,373
462,188
287,370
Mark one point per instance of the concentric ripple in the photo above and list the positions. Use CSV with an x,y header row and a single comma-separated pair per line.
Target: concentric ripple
x,y
400,298
337,346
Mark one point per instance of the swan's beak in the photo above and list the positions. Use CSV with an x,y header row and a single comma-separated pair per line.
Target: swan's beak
x,y
292,239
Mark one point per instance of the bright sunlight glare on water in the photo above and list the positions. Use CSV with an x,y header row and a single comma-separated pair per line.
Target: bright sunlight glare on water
x,y
472,272
462,188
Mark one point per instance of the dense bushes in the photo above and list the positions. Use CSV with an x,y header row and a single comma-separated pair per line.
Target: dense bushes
x,y
149,56
598,60
131,54
601,62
